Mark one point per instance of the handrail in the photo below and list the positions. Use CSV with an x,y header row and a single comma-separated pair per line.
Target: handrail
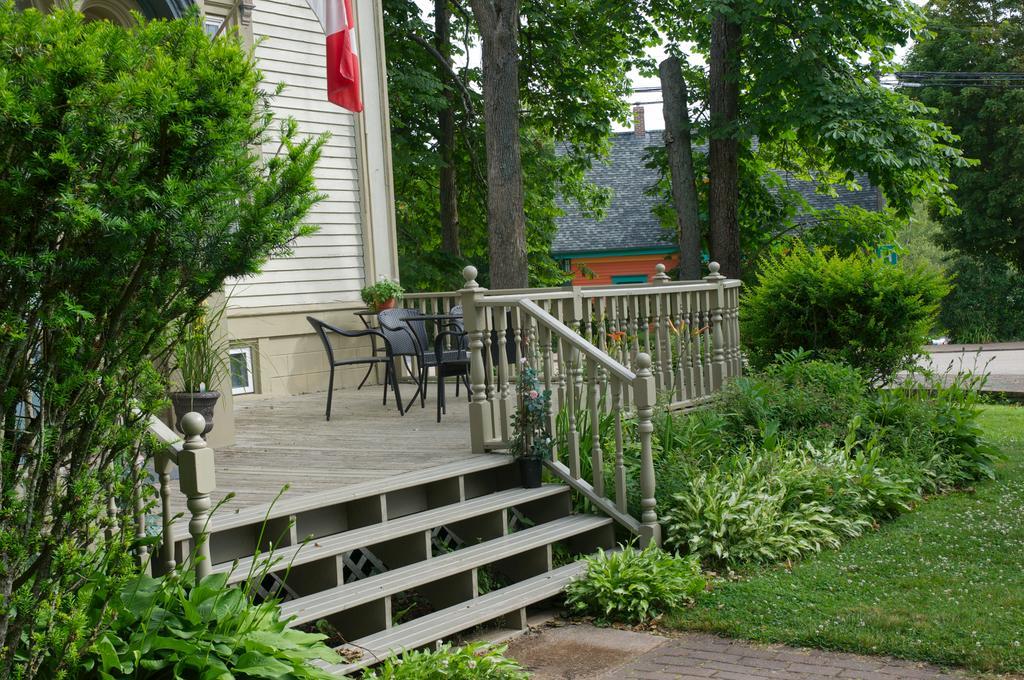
x,y
587,491
168,437
513,298
621,290
581,343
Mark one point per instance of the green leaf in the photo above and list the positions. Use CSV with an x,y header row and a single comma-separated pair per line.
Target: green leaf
x,y
260,665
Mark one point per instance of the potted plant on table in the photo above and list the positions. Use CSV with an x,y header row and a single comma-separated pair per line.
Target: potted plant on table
x,y
200,356
531,438
382,295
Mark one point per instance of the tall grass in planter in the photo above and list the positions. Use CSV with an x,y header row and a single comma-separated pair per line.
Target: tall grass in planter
x,y
200,357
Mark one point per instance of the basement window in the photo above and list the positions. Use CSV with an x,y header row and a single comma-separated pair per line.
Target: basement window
x,y
629,278
211,25
240,362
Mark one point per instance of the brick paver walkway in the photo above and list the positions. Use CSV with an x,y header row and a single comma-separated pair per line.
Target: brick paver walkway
x,y
697,657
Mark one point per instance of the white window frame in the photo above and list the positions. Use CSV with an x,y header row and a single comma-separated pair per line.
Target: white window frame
x,y
211,25
250,387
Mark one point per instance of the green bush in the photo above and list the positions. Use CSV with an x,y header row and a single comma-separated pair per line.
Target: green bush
x,y
133,184
929,424
170,627
478,661
986,303
769,506
634,586
857,309
849,229
797,398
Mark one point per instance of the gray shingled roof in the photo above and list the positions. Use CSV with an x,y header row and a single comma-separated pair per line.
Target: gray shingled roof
x,y
629,224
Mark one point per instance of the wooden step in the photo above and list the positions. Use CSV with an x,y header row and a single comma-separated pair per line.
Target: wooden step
x,y
226,521
376,534
334,600
447,622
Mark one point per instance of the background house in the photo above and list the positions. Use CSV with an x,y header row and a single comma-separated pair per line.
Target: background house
x,y
628,241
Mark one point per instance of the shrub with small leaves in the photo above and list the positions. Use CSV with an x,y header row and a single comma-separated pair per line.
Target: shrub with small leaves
x,y
478,661
858,309
530,436
635,586
142,168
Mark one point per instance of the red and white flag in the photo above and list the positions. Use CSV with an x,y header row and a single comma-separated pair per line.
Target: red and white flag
x,y
342,62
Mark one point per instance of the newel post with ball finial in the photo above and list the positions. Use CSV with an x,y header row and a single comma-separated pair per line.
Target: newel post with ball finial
x,y
198,481
644,393
718,336
473,318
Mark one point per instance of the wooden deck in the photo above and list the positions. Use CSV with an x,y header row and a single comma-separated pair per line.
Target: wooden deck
x,y
285,440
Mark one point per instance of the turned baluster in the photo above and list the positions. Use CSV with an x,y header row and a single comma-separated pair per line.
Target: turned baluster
x,y
544,339
163,464
596,455
141,549
572,391
620,464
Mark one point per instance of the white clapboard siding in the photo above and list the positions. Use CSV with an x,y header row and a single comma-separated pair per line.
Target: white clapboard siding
x,y
326,267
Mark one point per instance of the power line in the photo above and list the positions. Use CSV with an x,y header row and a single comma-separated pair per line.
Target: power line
x,y
923,79
954,79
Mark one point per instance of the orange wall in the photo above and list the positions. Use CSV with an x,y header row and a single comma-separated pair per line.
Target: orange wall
x,y
617,265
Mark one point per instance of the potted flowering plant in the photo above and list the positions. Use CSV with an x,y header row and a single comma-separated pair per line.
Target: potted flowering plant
x,y
531,440
200,355
382,295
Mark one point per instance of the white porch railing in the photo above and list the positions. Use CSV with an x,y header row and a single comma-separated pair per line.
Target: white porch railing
x,y
601,351
690,329
196,480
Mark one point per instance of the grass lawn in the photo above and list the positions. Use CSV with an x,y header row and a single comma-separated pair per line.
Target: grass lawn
x,y
944,583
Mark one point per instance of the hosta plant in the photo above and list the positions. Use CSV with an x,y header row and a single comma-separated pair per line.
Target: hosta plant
x,y
171,627
634,586
768,506
478,661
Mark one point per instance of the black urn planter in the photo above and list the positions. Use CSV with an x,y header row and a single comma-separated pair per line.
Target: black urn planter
x,y
529,472
202,403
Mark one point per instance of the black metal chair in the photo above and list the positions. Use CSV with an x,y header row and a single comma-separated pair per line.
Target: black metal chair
x,y
451,356
407,338
322,329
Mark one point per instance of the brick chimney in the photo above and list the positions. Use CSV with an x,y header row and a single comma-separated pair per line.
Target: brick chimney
x,y
639,129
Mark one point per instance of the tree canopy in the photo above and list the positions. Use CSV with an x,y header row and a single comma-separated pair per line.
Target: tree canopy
x,y
811,101
573,85
973,36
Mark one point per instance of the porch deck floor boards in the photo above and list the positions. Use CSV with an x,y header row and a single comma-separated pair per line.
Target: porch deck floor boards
x,y
285,439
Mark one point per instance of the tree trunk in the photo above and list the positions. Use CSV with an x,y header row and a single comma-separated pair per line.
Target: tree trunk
x,y
498,21
723,155
680,163
447,184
